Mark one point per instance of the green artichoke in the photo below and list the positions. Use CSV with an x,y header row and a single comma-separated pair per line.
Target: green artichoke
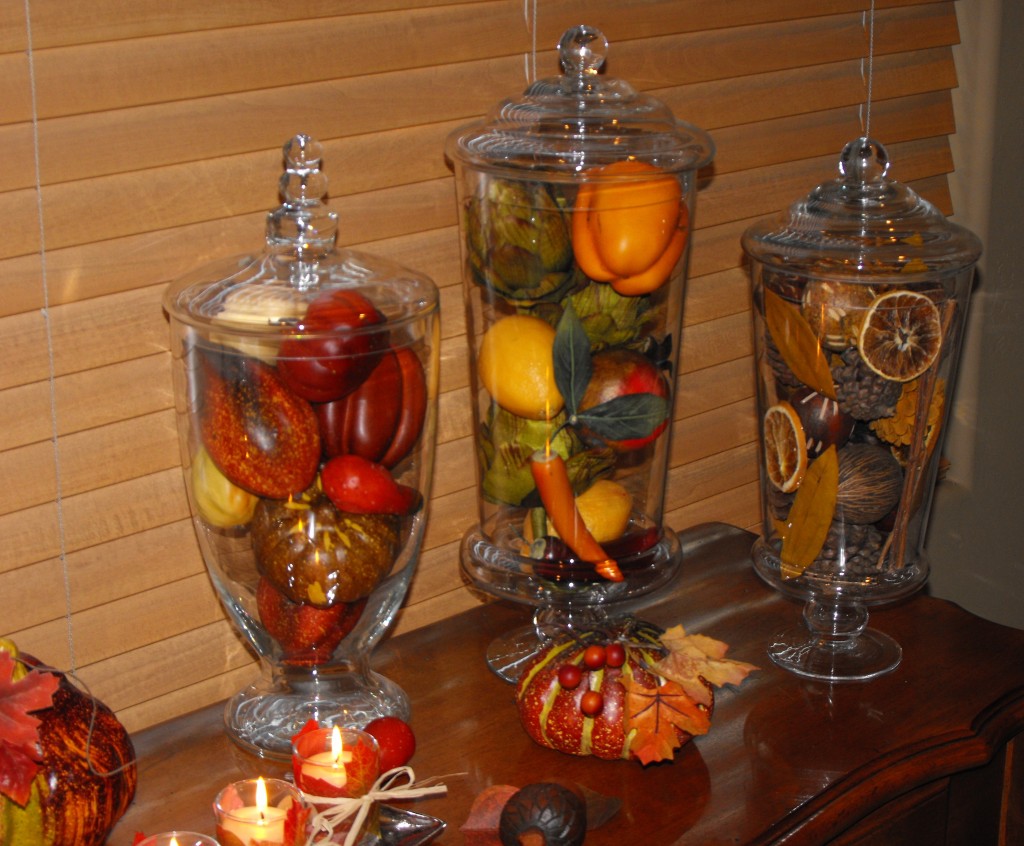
x,y
610,319
519,242
506,444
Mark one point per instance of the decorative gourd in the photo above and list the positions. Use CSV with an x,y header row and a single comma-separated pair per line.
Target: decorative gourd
x,y
87,774
633,691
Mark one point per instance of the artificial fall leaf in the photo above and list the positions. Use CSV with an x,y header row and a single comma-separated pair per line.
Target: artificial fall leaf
x,y
19,748
798,345
17,773
697,657
810,515
481,826
652,716
18,699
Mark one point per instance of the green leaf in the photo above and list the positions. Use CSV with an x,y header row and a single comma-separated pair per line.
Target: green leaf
x,y
626,417
571,355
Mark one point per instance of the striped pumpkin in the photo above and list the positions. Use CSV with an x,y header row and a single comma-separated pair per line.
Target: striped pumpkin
x,y
551,714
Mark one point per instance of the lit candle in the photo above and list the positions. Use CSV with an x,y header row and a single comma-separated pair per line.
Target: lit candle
x,y
260,822
329,766
177,838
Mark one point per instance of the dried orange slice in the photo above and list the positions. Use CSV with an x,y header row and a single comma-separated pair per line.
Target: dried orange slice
x,y
785,447
901,335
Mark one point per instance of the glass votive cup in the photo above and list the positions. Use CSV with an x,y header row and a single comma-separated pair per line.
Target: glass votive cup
x,y
178,838
348,771
245,817
329,771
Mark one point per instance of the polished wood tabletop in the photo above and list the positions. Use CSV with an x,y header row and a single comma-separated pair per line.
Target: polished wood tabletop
x,y
787,759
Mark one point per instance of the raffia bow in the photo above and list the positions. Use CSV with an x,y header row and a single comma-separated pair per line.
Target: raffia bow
x,y
333,810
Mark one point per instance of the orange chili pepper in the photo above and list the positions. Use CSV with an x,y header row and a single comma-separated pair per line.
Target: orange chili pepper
x,y
552,480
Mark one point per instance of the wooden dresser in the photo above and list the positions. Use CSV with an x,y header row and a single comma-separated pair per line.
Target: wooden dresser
x,y
931,753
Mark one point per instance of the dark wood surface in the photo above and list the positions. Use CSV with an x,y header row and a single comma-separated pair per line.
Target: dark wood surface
x,y
787,760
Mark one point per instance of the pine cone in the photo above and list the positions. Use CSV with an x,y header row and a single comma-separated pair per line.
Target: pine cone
x,y
862,548
861,392
784,377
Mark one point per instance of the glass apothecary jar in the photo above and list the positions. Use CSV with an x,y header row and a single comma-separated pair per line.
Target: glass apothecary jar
x,y
305,384
576,203
860,296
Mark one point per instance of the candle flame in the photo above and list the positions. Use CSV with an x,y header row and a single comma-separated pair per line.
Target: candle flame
x,y
336,745
174,841
261,795
338,754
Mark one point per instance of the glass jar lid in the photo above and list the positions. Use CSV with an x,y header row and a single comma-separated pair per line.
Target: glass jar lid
x,y
267,293
582,119
863,224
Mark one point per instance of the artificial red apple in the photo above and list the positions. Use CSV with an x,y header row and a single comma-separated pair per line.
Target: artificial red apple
x,y
380,420
261,436
342,350
308,635
624,373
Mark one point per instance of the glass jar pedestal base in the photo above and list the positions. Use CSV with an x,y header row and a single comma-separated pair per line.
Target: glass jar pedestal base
x,y
834,643
264,717
835,654
571,598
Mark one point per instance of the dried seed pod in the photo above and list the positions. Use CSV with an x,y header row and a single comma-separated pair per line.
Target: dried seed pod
x,y
870,481
543,814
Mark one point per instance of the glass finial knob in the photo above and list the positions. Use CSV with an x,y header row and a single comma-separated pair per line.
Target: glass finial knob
x,y
582,50
302,227
864,161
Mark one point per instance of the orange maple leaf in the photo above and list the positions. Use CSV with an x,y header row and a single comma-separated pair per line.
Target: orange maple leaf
x,y
654,714
694,657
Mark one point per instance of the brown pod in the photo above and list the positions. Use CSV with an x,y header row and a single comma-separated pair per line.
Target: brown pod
x,y
381,420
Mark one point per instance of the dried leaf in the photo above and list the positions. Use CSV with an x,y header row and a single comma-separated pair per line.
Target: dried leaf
x,y
481,826
811,514
653,714
798,345
695,657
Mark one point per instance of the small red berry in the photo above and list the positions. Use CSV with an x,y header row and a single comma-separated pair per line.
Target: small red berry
x,y
591,703
395,739
569,676
615,654
594,657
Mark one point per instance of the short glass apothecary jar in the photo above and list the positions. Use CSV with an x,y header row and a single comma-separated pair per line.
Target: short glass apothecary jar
x,y
576,203
306,387
860,294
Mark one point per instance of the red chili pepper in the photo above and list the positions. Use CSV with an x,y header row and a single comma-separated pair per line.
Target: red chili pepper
x,y
552,480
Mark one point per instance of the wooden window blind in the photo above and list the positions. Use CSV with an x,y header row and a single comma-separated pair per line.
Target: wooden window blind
x,y
141,140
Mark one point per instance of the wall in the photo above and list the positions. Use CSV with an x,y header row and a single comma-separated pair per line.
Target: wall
x,y
138,146
976,556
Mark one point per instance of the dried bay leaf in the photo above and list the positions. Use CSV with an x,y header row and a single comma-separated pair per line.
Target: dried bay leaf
x,y
811,514
798,345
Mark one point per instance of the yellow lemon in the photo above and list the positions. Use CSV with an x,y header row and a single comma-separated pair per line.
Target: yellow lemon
x,y
605,508
516,367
